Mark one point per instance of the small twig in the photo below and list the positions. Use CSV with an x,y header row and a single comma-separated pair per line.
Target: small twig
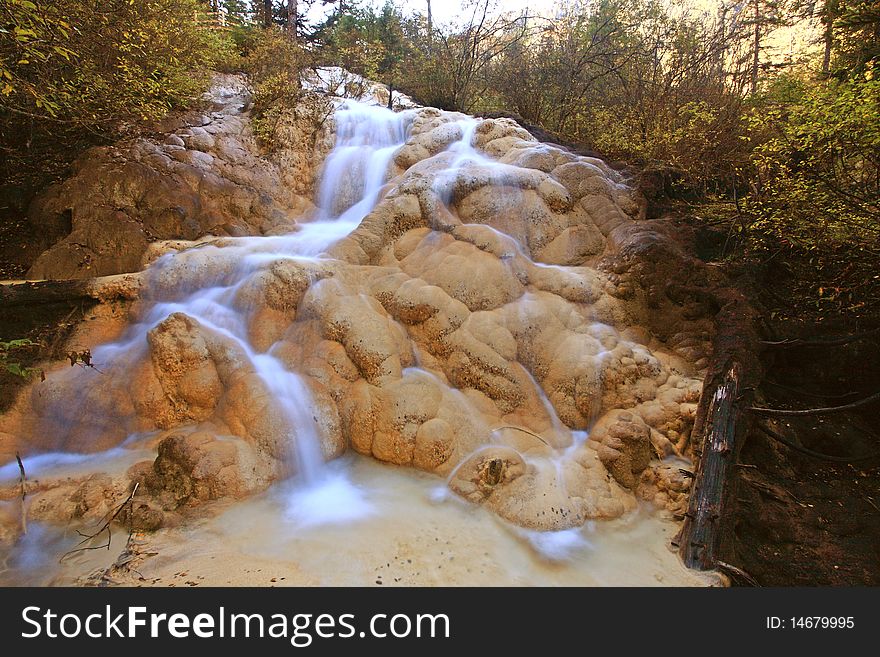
x,y
83,359
22,479
104,528
821,342
809,452
53,348
739,572
804,393
524,431
771,491
816,411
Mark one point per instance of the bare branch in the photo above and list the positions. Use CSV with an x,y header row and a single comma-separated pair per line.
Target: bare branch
x,y
775,435
81,547
816,411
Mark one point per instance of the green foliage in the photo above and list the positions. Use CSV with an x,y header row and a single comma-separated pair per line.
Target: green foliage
x,y
857,28
77,71
7,351
453,69
817,182
274,63
365,41
632,81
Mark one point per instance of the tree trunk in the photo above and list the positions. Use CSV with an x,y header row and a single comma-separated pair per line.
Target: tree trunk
x,y
430,25
267,13
756,47
829,13
720,428
292,17
390,95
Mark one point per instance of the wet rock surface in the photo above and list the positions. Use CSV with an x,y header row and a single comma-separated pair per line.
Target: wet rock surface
x,y
504,316
205,176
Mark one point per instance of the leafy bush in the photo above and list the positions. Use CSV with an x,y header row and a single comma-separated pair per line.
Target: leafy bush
x,y
79,71
7,352
817,182
274,64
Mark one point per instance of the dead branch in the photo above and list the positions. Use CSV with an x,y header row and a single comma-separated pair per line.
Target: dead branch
x,y
524,431
738,572
81,547
821,342
83,359
22,479
775,435
804,393
816,411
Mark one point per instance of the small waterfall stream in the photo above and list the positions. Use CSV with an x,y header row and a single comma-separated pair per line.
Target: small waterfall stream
x,y
333,495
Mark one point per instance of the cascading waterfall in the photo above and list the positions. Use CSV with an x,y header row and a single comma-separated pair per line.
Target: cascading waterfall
x,y
218,285
353,175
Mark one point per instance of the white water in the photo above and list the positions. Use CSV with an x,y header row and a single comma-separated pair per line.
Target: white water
x,y
340,494
352,179
353,176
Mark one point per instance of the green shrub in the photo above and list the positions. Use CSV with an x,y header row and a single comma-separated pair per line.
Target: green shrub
x,y
817,182
274,65
79,71
7,353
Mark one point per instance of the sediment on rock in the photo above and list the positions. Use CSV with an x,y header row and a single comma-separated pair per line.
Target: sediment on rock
x,y
204,175
517,327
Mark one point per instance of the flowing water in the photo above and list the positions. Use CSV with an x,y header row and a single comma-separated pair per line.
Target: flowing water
x,y
351,511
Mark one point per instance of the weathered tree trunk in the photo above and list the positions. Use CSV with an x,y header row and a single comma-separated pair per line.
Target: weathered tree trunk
x,y
720,440
756,47
292,17
267,13
720,428
430,25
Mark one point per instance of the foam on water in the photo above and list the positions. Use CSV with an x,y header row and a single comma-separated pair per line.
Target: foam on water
x,y
322,505
558,546
330,500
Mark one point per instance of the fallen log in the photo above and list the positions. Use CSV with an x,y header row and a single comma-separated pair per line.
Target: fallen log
x,y
102,290
43,292
720,428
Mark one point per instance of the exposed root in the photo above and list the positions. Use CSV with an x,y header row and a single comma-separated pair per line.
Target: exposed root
x,y
822,342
